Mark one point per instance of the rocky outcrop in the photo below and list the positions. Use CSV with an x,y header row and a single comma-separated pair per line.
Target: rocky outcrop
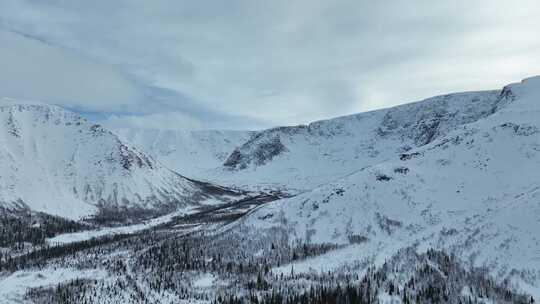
x,y
265,149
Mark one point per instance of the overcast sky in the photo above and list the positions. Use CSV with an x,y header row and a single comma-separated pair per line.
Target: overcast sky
x,y
239,64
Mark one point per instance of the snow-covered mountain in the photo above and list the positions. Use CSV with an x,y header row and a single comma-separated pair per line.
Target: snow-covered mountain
x,y
460,174
300,158
54,161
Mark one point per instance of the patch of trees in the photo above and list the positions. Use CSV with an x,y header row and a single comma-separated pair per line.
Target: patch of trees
x,y
433,277
40,256
21,226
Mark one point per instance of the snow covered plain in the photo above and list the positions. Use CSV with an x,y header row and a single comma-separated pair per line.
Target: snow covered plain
x,y
67,238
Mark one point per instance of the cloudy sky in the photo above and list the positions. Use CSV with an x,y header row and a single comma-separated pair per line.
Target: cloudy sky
x,y
240,64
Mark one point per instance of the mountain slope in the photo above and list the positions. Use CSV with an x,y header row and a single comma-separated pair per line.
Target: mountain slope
x,y
54,161
474,192
303,157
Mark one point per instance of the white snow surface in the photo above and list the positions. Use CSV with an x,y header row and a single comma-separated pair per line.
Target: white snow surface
x,y
473,191
205,280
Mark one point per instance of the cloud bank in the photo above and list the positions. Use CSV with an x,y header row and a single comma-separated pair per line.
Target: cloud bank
x,y
252,64
31,69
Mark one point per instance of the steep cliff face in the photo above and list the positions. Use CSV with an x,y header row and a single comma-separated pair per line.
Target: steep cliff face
x,y
260,153
54,161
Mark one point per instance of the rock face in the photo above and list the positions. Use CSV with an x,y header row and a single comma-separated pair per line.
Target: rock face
x,y
264,151
422,122
54,161
468,185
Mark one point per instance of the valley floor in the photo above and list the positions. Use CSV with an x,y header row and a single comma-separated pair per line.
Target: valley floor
x,y
210,256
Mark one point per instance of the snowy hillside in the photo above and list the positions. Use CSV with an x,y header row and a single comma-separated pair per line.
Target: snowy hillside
x,y
304,157
54,161
469,184
194,153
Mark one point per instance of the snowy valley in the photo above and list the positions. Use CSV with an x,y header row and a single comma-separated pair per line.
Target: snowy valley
x,y
436,201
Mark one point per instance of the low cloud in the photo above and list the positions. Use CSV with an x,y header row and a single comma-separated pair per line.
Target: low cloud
x,y
244,63
160,121
31,69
